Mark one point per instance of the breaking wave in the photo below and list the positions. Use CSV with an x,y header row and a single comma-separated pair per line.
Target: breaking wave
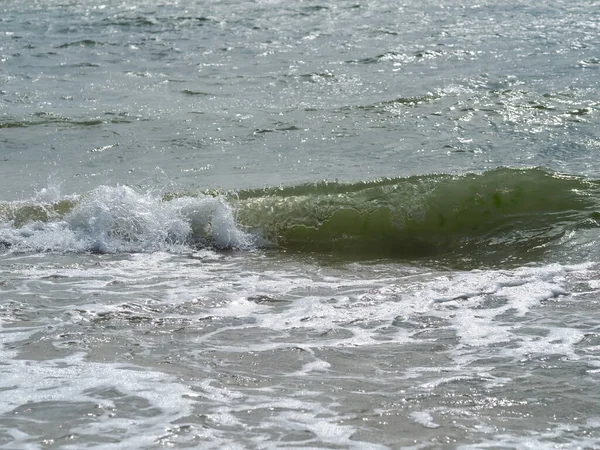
x,y
496,214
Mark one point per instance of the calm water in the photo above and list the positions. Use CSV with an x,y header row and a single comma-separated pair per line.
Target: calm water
x,y
271,224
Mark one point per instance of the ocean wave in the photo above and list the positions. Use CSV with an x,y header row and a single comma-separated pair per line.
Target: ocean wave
x,y
500,213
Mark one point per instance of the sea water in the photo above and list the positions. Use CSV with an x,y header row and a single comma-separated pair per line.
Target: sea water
x,y
272,224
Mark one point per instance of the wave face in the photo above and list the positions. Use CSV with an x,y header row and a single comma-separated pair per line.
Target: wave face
x,y
499,214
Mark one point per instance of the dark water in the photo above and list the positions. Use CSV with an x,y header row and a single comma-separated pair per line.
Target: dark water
x,y
269,224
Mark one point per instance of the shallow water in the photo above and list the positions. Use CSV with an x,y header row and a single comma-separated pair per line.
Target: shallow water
x,y
263,350
311,225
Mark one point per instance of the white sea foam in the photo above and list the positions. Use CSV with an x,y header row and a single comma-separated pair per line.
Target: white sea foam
x,y
424,418
73,383
546,440
121,219
262,344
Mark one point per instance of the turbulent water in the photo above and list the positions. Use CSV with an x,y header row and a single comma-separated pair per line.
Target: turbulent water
x,y
271,224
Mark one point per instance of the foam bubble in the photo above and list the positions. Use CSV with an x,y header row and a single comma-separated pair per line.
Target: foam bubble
x,y
121,219
424,418
103,390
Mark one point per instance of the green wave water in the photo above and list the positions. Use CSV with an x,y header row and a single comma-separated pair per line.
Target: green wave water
x,y
502,211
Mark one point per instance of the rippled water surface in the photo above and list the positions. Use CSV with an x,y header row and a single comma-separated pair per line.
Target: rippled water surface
x,y
270,224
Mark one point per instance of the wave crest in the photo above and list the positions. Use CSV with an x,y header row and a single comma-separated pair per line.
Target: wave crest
x,y
499,214
121,219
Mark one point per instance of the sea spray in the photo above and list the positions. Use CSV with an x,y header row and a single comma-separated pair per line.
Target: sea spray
x,y
121,219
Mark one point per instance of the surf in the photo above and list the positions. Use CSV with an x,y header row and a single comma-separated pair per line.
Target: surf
x,y
496,213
